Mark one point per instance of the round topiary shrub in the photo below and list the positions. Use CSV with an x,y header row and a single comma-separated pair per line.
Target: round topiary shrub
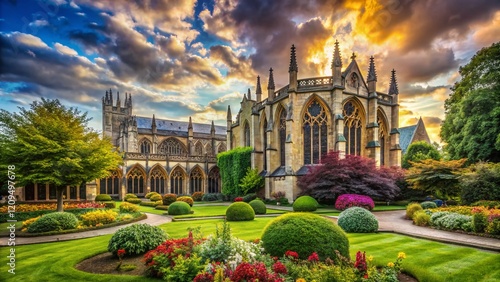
x,y
134,200
179,208
421,218
428,205
128,207
411,209
305,204
149,194
258,206
346,201
240,211
357,220
186,199
129,196
155,197
169,199
304,233
136,239
103,197
55,221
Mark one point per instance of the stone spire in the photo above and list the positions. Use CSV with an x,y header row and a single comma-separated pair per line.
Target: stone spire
x,y
270,86
229,115
106,99
249,95
190,130
393,86
372,75
212,129
258,90
190,125
337,65
293,60
153,124
110,97
118,102
229,120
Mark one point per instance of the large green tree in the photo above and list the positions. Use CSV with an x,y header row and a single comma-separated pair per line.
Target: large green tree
x,y
471,127
419,151
51,143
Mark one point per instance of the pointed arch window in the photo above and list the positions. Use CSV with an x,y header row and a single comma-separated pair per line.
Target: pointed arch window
x,y
157,180
214,180
247,134
198,149
382,136
264,134
352,128
172,147
282,136
209,149
177,181
135,181
145,146
315,133
354,80
196,180
111,184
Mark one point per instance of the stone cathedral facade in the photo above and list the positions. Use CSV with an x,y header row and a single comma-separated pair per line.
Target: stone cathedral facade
x,y
297,125
165,156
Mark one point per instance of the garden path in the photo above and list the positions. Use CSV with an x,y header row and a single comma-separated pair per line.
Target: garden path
x,y
153,219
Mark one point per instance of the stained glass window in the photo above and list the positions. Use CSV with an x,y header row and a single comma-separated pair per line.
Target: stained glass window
x,y
282,136
135,181
172,147
382,135
315,133
352,128
247,135
177,181
196,180
264,134
157,180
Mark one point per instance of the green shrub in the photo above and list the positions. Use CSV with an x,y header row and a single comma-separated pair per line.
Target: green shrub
x,y
479,222
20,216
55,221
411,209
358,220
252,181
109,205
258,206
103,197
128,207
421,218
179,208
488,204
161,207
136,239
452,221
149,204
233,166
482,184
305,204
197,196
186,199
134,200
428,205
209,197
129,196
240,211
94,218
249,197
304,233
148,195
169,199
155,197
493,227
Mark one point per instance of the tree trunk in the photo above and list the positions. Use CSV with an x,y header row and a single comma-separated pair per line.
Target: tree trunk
x,y
60,190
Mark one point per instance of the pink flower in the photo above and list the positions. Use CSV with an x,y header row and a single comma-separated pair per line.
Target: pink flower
x,y
313,257
291,254
279,268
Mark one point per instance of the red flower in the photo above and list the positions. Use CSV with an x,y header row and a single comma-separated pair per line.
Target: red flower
x,y
121,253
291,254
360,263
279,268
238,199
313,257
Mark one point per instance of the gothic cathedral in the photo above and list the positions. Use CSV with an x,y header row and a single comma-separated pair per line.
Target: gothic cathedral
x,y
300,123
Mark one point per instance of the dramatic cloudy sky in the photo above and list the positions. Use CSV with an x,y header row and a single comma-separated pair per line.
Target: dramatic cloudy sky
x,y
182,58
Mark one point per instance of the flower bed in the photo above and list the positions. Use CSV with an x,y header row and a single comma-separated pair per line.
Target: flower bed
x,y
53,206
346,201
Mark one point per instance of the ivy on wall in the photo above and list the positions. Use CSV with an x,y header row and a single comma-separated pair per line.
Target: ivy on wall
x,y
233,165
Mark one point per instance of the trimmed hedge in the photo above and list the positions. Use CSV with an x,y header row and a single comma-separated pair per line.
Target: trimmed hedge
x,y
304,233
21,216
103,197
358,220
150,204
412,209
258,206
161,207
128,207
179,208
156,197
55,221
148,195
197,196
134,200
421,218
233,165
186,199
129,196
209,197
305,204
109,205
136,239
240,211
249,197
168,199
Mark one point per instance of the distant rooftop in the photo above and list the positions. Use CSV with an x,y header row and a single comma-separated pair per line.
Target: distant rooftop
x,y
175,125
405,136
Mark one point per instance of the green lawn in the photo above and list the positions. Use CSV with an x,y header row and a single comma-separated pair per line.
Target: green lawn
x,y
215,210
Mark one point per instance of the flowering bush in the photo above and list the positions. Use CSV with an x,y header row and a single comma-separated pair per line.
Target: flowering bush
x,y
128,207
197,196
168,199
254,272
28,222
452,221
98,217
53,206
238,199
346,201
186,199
155,197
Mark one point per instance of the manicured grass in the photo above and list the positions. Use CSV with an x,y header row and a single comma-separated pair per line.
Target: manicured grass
x,y
215,210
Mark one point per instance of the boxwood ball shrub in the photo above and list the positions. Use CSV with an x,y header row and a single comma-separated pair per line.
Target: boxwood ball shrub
x,y
103,197
169,199
358,220
149,194
129,196
179,208
240,211
136,239
186,199
428,205
258,206
411,209
305,203
304,233
421,218
155,197
55,221
346,201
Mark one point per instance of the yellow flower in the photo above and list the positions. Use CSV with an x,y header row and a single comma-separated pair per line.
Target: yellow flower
x,y
370,258
300,280
401,255
390,264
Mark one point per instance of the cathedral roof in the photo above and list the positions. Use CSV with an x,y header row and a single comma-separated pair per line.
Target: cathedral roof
x,y
175,125
405,136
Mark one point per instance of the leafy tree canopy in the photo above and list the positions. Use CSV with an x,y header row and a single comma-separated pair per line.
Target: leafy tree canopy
x,y
471,127
350,175
418,151
50,143
439,178
252,181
